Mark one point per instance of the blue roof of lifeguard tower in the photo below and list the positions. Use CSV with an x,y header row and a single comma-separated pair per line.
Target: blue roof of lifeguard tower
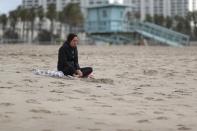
x,y
107,5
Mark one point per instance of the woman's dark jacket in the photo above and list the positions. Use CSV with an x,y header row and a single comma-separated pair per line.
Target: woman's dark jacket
x,y
68,59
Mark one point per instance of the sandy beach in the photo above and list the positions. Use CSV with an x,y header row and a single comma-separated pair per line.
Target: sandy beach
x,y
135,89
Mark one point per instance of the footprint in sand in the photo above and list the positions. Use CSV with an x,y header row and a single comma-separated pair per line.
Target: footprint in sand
x,y
113,114
115,94
182,115
137,88
73,98
106,106
94,129
78,108
54,99
183,128
137,93
29,80
158,112
162,118
91,99
28,91
5,87
10,83
60,113
159,99
124,130
57,91
145,85
143,121
160,93
149,98
61,84
135,114
101,81
95,96
150,72
18,72
183,92
40,111
9,112
99,86
47,130
100,123
32,101
6,104
153,99
81,92
119,99
4,116
37,117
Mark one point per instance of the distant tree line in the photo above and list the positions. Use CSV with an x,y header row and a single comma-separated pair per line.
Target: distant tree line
x,y
186,25
71,15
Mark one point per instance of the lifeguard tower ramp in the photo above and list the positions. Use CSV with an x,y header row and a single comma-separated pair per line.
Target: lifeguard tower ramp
x,y
107,23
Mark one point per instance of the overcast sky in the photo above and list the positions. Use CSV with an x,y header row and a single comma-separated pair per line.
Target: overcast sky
x,y
7,5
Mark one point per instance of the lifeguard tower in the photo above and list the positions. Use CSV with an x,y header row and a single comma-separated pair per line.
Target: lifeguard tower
x,y
107,23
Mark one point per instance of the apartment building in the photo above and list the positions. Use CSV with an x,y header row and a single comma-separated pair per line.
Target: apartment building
x,y
179,7
192,5
60,4
31,3
162,7
142,7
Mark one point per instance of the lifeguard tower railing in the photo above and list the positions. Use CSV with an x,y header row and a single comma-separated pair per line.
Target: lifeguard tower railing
x,y
146,29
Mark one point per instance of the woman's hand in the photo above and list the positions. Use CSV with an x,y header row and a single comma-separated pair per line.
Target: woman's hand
x,y
78,72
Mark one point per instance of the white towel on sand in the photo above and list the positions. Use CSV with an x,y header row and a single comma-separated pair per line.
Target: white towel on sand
x,y
51,73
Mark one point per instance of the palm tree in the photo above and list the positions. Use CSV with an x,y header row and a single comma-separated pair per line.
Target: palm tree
x,y
61,19
169,22
149,18
51,15
13,17
179,23
32,16
159,19
3,20
73,15
40,14
23,14
192,17
187,27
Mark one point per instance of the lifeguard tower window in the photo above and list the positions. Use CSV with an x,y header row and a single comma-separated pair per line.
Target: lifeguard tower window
x,y
104,13
121,14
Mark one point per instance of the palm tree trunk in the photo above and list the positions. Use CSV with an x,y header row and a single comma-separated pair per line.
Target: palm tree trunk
x,y
23,31
32,31
27,32
60,34
52,28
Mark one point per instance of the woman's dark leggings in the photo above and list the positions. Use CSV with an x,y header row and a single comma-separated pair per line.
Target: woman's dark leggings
x,y
86,71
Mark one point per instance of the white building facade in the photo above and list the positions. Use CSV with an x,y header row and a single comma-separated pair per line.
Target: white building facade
x,y
60,4
162,7
192,5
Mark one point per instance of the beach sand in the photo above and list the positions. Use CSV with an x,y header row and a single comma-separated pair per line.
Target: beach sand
x,y
135,89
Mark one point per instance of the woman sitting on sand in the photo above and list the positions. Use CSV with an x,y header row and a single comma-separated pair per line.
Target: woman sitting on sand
x,y
68,59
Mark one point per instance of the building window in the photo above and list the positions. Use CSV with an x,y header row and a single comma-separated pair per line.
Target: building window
x,y
104,13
